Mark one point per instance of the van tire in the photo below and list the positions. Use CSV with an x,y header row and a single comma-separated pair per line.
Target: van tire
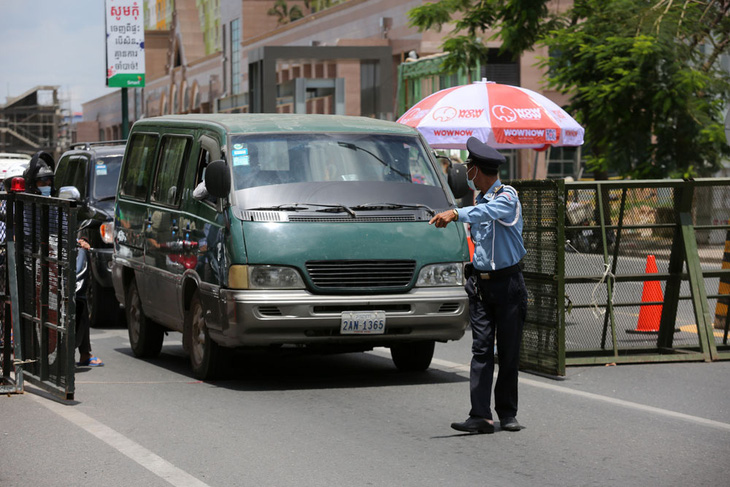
x,y
145,336
413,356
207,358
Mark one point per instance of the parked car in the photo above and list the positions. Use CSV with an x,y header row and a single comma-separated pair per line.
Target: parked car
x,y
309,231
93,169
9,160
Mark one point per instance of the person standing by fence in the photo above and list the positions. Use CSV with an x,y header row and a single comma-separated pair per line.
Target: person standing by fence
x,y
496,289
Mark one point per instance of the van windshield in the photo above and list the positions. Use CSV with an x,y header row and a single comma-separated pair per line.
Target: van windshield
x,y
311,164
278,159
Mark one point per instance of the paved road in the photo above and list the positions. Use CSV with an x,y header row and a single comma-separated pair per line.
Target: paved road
x,y
353,420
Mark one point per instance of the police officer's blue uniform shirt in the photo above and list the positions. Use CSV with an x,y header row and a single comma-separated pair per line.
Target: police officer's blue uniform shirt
x,y
507,242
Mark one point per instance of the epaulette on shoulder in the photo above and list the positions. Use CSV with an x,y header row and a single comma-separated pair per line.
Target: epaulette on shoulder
x,y
505,190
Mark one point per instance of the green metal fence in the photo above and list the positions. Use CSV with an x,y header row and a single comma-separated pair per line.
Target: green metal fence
x,y
38,252
625,271
543,349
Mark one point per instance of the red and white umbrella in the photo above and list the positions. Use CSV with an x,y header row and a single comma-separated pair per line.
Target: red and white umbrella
x,y
502,116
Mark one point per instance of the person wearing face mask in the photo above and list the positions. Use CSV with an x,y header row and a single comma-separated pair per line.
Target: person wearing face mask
x,y
496,289
39,174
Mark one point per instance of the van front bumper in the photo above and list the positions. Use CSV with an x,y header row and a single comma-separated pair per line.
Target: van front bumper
x,y
263,318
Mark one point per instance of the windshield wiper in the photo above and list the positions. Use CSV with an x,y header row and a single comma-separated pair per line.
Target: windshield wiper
x,y
354,147
286,207
305,206
335,208
394,206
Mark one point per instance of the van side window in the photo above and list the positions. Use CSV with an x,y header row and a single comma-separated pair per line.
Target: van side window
x,y
167,188
139,165
203,161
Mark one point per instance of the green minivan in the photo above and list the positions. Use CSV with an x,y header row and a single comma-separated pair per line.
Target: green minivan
x,y
273,230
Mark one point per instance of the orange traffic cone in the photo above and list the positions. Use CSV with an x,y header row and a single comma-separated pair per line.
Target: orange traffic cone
x,y
650,314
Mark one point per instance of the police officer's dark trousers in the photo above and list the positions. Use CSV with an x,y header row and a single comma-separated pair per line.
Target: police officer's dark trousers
x,y
497,307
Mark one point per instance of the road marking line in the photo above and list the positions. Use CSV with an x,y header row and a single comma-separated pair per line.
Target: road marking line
x,y
133,450
598,397
693,329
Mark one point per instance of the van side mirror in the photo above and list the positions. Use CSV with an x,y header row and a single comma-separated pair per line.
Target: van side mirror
x,y
457,178
218,179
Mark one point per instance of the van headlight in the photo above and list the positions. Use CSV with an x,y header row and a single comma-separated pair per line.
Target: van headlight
x,y
448,274
263,277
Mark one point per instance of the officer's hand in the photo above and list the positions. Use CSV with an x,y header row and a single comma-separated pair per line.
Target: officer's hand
x,y
442,219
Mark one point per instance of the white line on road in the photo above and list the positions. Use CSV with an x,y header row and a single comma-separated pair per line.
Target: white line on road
x,y
136,452
628,404
456,367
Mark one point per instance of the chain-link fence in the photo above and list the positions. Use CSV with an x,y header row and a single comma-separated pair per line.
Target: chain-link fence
x,y
625,271
542,344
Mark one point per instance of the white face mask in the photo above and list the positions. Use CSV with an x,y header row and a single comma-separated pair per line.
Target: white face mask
x,y
470,181
45,190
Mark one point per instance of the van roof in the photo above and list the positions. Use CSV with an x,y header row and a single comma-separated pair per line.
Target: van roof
x,y
245,123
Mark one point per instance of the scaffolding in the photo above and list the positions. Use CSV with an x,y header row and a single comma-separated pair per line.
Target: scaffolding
x,y
34,121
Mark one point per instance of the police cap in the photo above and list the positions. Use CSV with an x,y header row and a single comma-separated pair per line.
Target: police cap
x,y
483,156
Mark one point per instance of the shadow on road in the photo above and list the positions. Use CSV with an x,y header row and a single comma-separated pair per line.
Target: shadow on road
x,y
280,370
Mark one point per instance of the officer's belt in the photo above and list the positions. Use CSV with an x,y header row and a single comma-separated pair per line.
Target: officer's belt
x,y
499,273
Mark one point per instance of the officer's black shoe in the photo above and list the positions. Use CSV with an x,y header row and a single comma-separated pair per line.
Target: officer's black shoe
x,y
474,425
510,424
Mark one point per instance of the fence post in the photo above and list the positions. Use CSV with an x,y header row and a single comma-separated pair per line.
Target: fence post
x,y
609,284
723,303
682,204
696,282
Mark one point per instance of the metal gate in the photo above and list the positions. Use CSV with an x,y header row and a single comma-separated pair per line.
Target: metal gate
x,y
644,267
625,271
543,341
38,273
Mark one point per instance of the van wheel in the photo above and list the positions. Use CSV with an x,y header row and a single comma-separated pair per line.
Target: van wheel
x,y
103,306
206,357
145,335
413,357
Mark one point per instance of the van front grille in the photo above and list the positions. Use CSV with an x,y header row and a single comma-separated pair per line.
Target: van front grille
x,y
349,219
382,274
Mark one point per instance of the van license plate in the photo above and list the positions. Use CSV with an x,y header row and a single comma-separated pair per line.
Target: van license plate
x,y
363,323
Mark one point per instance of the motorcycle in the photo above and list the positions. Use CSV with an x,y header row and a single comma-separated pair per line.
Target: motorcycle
x,y
589,240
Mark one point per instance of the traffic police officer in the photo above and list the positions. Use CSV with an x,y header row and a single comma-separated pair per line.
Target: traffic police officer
x,y
496,289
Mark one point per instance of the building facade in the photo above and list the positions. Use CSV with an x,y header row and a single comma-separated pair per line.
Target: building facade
x,y
243,56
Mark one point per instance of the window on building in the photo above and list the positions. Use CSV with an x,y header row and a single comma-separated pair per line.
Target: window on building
x,y
501,68
563,162
235,57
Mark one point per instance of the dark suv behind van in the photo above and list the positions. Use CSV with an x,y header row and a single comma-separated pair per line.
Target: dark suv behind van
x,y
93,169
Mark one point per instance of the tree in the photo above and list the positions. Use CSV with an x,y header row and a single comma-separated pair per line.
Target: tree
x,y
284,13
643,76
